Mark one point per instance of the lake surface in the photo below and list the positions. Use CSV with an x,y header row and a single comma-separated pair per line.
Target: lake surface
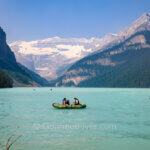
x,y
115,119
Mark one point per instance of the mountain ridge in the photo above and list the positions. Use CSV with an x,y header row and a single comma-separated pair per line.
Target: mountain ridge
x,y
69,50
48,51
108,68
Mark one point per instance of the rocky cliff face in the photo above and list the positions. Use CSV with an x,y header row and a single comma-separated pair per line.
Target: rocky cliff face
x,y
5,52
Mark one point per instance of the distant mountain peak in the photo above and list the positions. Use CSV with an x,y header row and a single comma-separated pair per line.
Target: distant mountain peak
x,y
146,14
145,18
141,23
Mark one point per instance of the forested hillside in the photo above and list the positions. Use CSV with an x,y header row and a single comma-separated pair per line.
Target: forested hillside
x,y
5,80
124,65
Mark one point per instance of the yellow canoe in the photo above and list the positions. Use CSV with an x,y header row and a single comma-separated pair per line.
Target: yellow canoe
x,y
60,106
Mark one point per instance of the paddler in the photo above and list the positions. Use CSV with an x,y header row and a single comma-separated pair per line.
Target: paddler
x,y
76,102
64,101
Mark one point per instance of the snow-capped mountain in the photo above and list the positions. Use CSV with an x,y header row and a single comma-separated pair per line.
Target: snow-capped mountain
x,y
140,24
125,64
51,57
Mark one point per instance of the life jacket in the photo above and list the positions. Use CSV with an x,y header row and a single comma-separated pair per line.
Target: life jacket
x,y
77,102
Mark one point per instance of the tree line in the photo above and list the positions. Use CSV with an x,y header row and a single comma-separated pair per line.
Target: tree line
x,y
5,80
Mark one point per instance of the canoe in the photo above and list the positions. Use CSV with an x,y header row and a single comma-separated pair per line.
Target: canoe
x,y
60,106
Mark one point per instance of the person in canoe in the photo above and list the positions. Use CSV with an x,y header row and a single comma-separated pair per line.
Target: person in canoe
x,y
64,101
76,101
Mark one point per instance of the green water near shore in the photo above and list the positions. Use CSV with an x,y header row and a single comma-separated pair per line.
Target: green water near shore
x,y
115,119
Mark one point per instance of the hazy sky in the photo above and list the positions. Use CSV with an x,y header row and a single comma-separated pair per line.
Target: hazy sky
x,y
38,19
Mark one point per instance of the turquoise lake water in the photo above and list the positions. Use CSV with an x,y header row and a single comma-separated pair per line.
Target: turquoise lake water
x,y
115,119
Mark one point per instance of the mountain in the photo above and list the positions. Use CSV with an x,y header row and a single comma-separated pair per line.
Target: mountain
x,y
51,57
142,23
124,64
20,75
